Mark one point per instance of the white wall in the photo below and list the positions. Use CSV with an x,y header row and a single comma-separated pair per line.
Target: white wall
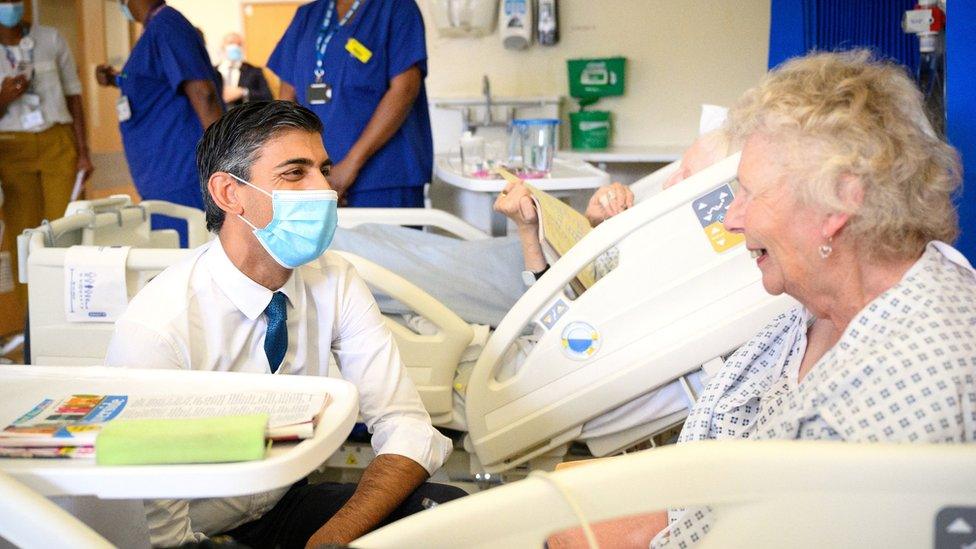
x,y
215,17
680,54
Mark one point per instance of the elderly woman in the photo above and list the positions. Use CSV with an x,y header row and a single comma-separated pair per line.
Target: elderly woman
x,y
845,202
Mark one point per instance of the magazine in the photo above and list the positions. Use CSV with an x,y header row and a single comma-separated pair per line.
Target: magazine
x,y
74,421
560,228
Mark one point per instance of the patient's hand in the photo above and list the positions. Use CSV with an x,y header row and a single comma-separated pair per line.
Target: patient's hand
x,y
516,203
607,202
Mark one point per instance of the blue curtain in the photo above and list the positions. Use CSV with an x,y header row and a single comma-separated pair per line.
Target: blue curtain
x,y
799,26
961,112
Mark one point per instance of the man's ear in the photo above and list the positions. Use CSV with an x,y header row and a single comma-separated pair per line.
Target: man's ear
x,y
851,193
223,190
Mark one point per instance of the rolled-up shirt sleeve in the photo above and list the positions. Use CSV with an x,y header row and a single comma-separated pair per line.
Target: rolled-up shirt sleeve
x,y
389,403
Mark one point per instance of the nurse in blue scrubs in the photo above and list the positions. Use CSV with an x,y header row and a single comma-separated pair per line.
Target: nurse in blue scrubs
x,y
360,66
168,97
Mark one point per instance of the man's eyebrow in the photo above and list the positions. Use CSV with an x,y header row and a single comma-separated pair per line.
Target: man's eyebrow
x,y
299,161
327,163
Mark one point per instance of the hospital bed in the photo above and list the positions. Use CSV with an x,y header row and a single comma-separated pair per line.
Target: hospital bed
x,y
113,221
802,494
683,295
430,359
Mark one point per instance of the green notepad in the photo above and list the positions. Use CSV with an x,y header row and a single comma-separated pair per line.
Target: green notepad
x,y
199,440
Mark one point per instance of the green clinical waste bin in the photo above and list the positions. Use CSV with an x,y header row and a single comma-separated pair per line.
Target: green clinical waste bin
x,y
590,129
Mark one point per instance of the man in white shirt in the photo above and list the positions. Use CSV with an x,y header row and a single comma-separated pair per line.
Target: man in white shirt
x,y
267,301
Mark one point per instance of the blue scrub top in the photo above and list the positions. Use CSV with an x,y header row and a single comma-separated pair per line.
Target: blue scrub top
x,y
160,138
393,30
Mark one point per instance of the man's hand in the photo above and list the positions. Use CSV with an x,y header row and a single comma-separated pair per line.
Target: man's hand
x,y
517,204
343,175
11,89
106,76
84,164
607,202
233,93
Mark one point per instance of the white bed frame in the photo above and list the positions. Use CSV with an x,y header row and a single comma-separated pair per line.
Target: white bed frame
x,y
688,305
797,494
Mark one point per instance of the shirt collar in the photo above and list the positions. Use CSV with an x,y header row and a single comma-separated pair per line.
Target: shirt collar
x,y
247,295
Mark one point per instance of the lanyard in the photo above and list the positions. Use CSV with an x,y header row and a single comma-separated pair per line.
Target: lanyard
x,y
325,36
26,47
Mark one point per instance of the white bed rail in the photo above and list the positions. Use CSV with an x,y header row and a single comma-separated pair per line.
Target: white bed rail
x,y
662,333
809,494
421,217
431,360
30,520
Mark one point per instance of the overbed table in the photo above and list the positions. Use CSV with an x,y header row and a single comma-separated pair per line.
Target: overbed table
x,y
22,387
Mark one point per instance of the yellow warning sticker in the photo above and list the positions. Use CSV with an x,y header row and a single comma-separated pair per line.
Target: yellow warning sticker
x,y
358,50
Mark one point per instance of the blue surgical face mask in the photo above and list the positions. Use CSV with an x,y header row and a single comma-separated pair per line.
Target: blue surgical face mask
x,y
302,225
11,14
233,52
124,5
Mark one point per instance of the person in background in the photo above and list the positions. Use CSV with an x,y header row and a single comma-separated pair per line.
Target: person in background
x,y
360,66
169,96
43,144
242,80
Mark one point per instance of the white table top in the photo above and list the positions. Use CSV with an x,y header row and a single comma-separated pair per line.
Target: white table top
x,y
628,153
567,174
22,387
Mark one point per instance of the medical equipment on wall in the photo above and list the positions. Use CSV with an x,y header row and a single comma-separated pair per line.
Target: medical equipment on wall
x,y
849,495
515,24
548,23
927,20
464,18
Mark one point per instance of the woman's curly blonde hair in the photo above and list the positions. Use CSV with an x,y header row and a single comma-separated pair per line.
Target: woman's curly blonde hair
x,y
847,116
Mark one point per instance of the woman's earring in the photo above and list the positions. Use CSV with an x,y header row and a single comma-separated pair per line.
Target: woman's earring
x,y
826,249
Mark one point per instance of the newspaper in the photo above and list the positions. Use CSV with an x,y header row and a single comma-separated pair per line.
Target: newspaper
x,y
75,421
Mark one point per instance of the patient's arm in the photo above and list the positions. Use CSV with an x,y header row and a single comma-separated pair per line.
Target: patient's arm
x,y
516,203
635,531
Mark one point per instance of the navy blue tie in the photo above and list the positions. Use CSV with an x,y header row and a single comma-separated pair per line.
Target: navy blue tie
x,y
276,340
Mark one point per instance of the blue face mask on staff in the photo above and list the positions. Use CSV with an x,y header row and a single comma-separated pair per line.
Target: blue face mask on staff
x,y
233,53
11,14
302,225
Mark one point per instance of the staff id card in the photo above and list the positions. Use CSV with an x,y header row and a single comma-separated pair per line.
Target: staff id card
x,y
319,93
123,109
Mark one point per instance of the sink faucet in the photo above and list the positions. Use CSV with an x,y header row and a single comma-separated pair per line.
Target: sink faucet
x,y
486,91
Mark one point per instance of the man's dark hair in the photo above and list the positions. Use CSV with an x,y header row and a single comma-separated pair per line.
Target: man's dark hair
x,y
232,143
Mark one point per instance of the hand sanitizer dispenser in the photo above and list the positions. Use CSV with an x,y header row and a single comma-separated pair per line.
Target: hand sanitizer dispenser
x,y
464,18
515,21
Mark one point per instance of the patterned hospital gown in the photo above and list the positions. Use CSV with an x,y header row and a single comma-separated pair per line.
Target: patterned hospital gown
x,y
904,370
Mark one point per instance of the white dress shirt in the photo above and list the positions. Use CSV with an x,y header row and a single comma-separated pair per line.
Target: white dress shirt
x,y
231,73
204,314
55,76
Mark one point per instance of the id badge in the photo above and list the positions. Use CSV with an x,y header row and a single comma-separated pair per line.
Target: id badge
x,y
319,93
122,108
32,119
32,100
